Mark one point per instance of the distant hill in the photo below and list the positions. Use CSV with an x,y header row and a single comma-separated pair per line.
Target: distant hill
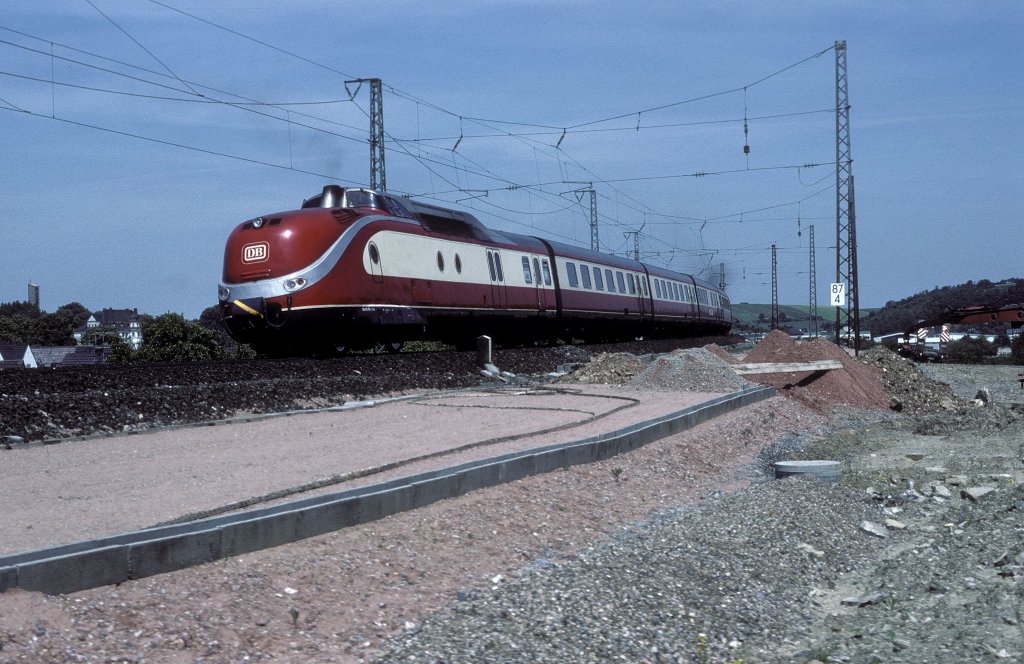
x,y
897,316
790,315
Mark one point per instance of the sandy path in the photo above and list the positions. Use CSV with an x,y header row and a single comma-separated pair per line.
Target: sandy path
x,y
63,493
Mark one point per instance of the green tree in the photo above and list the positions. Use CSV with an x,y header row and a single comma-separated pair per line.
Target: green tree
x,y
52,330
120,351
15,329
19,309
74,312
171,338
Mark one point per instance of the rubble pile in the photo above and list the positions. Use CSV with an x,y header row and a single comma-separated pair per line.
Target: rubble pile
x,y
695,370
606,369
856,384
912,392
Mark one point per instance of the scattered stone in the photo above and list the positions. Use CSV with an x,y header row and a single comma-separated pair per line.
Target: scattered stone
x,y
807,548
874,529
894,524
984,395
900,644
864,600
976,493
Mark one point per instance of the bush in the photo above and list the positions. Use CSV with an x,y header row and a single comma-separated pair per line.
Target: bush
x,y
1017,350
171,338
970,351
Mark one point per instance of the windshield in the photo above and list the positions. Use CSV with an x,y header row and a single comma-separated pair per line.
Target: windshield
x,y
334,196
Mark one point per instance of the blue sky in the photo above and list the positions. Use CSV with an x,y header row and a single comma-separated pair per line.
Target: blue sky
x,y
130,155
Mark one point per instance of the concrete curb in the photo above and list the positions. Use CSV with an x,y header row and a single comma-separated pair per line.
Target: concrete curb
x,y
109,560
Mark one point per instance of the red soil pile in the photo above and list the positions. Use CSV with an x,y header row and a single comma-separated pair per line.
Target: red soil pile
x,y
856,384
723,354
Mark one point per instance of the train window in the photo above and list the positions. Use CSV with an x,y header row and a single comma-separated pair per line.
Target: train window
x,y
458,264
585,274
609,281
358,198
374,254
490,265
570,271
396,208
657,289
547,274
526,270
440,262
497,266
598,279
632,283
621,281
675,292
647,288
536,271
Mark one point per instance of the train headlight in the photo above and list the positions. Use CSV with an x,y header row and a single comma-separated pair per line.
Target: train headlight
x,y
257,222
292,285
223,293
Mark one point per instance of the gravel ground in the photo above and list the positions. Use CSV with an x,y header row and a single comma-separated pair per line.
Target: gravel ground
x,y
683,551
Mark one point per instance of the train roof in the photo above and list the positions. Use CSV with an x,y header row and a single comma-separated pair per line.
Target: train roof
x,y
446,221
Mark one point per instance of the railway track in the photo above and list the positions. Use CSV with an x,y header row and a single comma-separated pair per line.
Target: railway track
x,y
54,405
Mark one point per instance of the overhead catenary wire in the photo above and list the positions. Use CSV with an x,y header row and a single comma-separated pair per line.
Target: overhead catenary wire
x,y
474,168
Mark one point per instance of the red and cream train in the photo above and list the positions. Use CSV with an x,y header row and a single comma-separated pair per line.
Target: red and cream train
x,y
355,268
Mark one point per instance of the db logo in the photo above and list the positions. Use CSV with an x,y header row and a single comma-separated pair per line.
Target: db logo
x,y
257,252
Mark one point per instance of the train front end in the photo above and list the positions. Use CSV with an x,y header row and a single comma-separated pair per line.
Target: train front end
x,y
280,276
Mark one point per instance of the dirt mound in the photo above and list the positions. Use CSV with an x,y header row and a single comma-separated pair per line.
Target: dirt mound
x,y
856,384
721,353
912,392
696,370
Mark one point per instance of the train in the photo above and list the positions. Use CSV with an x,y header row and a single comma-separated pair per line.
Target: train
x,y
356,268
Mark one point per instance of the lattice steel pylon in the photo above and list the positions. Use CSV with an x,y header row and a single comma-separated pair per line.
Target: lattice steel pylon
x,y
812,305
378,178
594,243
775,292
848,316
